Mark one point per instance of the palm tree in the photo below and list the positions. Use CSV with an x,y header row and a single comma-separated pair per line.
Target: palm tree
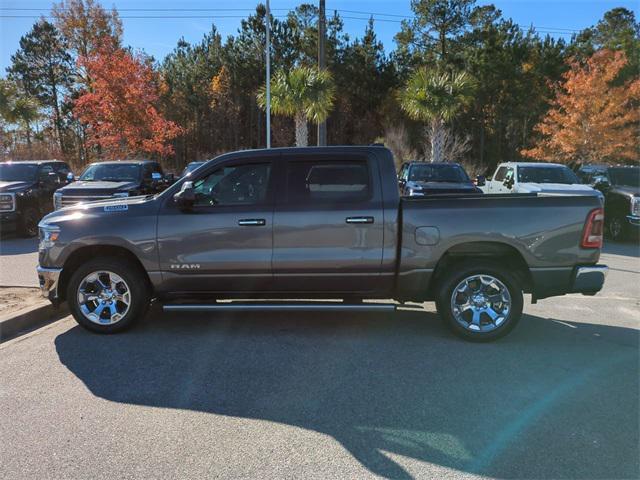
x,y
304,93
17,108
436,98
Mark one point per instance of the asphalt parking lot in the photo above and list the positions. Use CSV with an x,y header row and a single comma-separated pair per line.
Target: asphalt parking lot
x,y
332,395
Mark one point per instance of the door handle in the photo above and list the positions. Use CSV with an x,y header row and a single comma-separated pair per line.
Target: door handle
x,y
359,219
252,222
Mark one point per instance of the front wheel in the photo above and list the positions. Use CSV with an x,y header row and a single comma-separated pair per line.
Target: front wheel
x,y
480,302
29,222
616,228
107,295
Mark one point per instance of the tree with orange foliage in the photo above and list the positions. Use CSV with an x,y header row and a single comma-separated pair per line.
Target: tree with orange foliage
x,y
120,109
593,118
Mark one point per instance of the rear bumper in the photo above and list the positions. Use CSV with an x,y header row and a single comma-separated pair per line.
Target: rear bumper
x,y
48,279
589,280
586,279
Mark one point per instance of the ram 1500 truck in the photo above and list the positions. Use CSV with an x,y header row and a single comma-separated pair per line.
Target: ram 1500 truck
x,y
318,224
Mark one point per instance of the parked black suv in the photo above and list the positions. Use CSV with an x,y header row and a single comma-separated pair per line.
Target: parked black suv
x,y
25,192
105,180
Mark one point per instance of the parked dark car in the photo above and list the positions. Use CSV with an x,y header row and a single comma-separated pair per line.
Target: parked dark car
x,y
416,179
116,179
190,168
318,223
26,188
621,187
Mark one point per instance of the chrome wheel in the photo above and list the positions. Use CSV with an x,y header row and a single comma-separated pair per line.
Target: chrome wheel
x,y
104,298
481,303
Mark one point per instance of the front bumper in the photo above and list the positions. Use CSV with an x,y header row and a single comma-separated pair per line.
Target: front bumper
x,y
634,220
48,279
9,220
589,280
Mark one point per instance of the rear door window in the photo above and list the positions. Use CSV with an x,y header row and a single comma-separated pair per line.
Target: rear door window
x,y
327,182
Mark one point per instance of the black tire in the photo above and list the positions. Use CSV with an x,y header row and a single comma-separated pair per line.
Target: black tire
x,y
134,279
617,229
454,276
29,222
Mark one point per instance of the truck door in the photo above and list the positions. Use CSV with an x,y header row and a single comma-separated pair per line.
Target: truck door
x,y
224,243
328,224
496,181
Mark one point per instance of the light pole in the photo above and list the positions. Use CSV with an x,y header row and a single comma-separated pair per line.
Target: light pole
x,y
322,126
268,56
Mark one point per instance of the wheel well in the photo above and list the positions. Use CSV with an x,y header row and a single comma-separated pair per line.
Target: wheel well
x,y
500,253
83,254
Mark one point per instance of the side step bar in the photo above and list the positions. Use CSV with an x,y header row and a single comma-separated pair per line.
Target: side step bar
x,y
274,306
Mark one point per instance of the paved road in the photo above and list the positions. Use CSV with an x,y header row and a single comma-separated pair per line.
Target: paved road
x,y
18,260
332,396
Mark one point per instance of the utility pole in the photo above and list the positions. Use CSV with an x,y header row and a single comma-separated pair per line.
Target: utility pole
x,y
268,56
322,126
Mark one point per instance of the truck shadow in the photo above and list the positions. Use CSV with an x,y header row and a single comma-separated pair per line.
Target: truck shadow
x,y
551,400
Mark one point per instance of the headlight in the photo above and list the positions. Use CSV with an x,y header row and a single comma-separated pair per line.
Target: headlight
x,y
57,200
121,194
635,206
48,236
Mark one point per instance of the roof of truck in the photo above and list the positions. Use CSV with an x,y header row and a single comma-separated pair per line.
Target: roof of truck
x,y
32,162
531,164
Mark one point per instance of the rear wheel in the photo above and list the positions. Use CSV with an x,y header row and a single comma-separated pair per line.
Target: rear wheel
x,y
107,295
481,302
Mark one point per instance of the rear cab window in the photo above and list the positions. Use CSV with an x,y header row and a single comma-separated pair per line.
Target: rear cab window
x,y
327,181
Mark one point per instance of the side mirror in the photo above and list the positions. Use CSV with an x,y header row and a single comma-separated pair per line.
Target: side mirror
x,y
70,177
508,182
481,181
186,197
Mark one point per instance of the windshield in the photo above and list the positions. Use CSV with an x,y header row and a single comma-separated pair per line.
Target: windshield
x,y
629,176
191,167
438,173
111,172
547,175
18,172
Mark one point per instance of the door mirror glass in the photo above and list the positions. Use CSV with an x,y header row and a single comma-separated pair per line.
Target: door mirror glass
x,y
70,177
186,197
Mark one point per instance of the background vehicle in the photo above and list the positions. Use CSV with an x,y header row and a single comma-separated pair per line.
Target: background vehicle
x,y
118,179
536,177
25,192
320,223
621,187
190,168
424,178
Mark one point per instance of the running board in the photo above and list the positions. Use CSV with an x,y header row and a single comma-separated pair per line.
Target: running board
x,y
290,307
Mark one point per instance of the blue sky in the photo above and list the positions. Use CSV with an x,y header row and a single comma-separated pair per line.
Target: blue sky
x,y
158,36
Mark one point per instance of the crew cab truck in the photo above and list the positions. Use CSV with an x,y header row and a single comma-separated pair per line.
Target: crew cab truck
x,y
317,223
26,188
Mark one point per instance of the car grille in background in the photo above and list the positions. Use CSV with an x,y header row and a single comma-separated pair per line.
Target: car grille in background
x,y
7,202
68,200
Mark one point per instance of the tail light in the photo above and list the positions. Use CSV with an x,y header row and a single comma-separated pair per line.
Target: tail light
x,y
593,229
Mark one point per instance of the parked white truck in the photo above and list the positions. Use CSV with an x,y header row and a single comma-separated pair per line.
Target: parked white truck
x,y
537,177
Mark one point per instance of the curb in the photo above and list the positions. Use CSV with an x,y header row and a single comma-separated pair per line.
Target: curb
x,y
27,319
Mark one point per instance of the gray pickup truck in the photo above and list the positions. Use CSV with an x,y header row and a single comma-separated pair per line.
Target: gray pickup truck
x,y
317,224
